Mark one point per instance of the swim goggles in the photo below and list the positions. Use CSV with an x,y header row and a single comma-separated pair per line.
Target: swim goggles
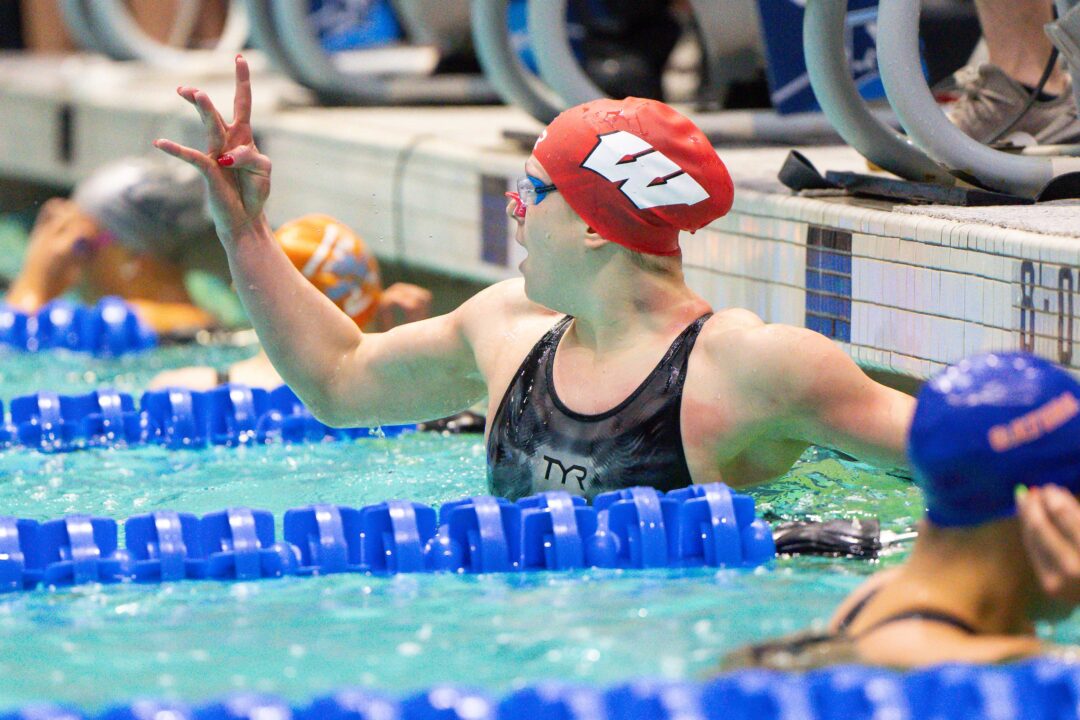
x,y
92,244
530,191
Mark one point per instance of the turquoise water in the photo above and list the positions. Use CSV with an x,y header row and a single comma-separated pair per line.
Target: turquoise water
x,y
67,372
118,483
297,637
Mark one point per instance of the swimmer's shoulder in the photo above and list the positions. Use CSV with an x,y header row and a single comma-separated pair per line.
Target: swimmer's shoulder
x,y
922,643
501,307
723,330
779,360
854,602
736,332
729,320
500,324
742,331
736,341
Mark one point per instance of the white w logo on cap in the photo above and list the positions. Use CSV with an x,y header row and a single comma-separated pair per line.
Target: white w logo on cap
x,y
649,178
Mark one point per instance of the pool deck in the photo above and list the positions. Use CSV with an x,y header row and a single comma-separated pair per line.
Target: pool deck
x,y
900,291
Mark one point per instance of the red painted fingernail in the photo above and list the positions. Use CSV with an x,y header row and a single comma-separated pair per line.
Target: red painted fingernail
x,y
226,160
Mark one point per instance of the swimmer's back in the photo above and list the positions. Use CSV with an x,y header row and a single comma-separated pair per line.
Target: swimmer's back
x,y
871,628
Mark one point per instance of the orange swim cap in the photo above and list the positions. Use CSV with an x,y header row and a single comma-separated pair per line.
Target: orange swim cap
x,y
336,261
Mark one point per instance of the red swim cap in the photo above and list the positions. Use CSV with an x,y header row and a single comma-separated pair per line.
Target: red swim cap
x,y
636,171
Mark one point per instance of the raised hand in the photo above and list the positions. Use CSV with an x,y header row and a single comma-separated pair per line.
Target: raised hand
x,y
237,174
1050,525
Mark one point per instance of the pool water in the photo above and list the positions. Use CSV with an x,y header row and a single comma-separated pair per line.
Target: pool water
x,y
67,372
99,645
301,636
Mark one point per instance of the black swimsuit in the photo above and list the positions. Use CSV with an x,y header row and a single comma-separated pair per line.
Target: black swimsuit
x,y
807,650
537,443
929,614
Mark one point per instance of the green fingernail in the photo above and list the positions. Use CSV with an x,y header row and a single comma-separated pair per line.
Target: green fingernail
x,y
1019,492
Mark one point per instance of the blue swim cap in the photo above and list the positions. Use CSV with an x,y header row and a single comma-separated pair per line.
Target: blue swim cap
x,y
987,424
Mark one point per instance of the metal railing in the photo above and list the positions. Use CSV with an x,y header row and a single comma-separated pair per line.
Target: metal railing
x,y
399,74
933,149
108,27
514,82
834,88
403,72
924,121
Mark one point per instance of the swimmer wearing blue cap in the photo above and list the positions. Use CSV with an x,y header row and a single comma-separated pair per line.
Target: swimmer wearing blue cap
x,y
601,368
983,428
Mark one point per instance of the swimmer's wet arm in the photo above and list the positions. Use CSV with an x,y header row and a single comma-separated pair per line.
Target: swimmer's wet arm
x,y
414,372
430,368
345,377
828,400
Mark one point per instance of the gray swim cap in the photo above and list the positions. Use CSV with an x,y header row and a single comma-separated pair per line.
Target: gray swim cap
x,y
151,205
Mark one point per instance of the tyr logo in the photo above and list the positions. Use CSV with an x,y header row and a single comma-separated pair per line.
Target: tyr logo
x,y
574,472
644,174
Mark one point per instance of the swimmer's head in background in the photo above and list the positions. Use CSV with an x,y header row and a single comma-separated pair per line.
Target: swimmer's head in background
x,y
636,171
154,206
336,261
987,424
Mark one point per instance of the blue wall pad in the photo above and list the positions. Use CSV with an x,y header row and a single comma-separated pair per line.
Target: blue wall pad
x,y
1039,688
109,328
176,418
550,531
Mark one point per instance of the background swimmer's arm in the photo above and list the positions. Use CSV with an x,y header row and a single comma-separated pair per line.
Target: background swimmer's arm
x,y
824,398
56,256
399,304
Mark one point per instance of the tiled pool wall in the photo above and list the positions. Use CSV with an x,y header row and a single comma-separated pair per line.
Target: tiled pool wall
x,y
898,291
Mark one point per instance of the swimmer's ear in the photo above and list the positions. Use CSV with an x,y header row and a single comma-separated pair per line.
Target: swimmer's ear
x,y
593,241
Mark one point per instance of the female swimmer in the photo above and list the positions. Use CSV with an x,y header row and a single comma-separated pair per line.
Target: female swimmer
x,y
969,592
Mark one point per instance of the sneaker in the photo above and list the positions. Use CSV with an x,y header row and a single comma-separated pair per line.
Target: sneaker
x,y
989,100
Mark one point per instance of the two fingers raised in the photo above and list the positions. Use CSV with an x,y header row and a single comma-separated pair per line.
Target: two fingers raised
x,y
234,139
1050,521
